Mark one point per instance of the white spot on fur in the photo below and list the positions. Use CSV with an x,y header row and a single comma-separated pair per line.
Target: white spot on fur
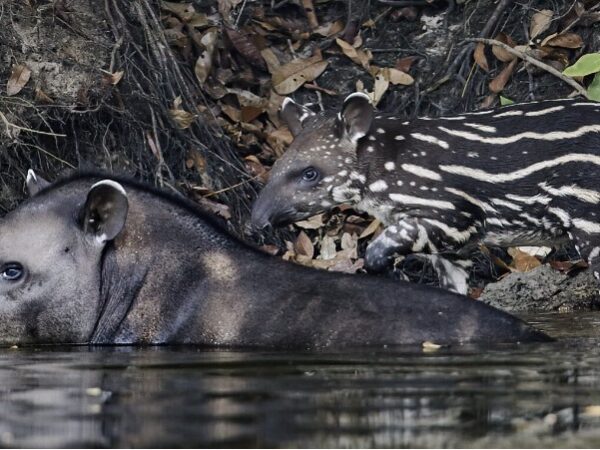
x,y
389,166
378,186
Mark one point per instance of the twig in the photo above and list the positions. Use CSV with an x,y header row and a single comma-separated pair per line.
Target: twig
x,y
228,188
531,60
17,127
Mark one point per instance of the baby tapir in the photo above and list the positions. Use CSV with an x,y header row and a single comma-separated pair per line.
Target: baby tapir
x,y
109,261
524,175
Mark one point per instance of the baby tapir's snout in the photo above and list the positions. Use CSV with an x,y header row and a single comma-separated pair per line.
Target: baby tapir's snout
x,y
319,170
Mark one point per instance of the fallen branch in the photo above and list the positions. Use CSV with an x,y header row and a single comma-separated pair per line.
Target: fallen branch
x,y
535,62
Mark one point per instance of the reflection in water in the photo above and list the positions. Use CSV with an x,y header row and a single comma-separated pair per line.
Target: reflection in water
x,y
517,395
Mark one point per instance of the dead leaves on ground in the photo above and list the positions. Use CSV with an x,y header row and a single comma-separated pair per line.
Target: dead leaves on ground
x,y
18,79
247,57
557,49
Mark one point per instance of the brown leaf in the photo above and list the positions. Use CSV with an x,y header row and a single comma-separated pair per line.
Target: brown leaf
x,y
379,88
404,64
498,83
181,117
248,49
566,40
540,22
329,29
18,79
42,97
360,57
480,58
501,53
304,246
114,78
371,229
396,76
290,76
567,267
204,61
184,11
522,262
225,7
312,223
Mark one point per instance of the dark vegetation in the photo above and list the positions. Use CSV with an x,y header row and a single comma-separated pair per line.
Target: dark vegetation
x,y
185,94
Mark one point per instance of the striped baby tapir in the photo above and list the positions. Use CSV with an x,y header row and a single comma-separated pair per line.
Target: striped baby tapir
x,y
525,174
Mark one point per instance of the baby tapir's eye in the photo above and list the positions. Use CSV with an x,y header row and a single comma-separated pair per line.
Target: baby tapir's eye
x,y
12,272
310,174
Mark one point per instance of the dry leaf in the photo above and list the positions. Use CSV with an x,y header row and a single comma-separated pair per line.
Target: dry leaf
x,y
500,53
540,22
271,59
42,97
329,29
290,76
244,45
396,76
312,223
480,58
327,248
184,11
372,228
225,7
204,61
379,88
498,83
304,246
522,262
18,79
592,411
114,78
404,64
181,117
567,40
360,57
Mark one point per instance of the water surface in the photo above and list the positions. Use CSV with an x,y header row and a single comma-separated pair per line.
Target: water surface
x,y
510,395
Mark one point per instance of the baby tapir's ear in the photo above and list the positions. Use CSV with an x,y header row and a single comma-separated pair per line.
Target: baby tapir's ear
x,y
35,183
105,210
356,116
294,115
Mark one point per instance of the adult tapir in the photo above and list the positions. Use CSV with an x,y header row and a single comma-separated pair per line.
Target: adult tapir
x,y
99,260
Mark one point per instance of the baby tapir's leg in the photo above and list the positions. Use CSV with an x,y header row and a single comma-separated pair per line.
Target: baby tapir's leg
x,y
450,273
416,235
587,244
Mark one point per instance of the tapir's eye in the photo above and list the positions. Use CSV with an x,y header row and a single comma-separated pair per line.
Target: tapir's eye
x,y
12,272
310,174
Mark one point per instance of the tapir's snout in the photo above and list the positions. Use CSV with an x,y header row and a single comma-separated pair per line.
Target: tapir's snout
x,y
270,212
262,212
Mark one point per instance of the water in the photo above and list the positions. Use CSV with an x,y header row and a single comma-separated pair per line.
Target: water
x,y
511,395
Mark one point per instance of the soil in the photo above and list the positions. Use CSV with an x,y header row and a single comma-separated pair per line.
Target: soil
x,y
76,113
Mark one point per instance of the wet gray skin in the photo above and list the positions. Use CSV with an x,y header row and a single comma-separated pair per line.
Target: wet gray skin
x,y
88,260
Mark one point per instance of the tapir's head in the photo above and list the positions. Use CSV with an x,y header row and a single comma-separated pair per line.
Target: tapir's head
x,y
320,168
50,260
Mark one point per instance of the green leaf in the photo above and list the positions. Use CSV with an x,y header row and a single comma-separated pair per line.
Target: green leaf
x,y
586,65
505,101
593,89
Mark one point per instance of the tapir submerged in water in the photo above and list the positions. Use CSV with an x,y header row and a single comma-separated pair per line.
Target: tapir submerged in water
x,y
109,261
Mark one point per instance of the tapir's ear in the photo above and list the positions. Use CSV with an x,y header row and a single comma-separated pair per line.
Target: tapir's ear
x,y
35,183
356,115
105,210
294,115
